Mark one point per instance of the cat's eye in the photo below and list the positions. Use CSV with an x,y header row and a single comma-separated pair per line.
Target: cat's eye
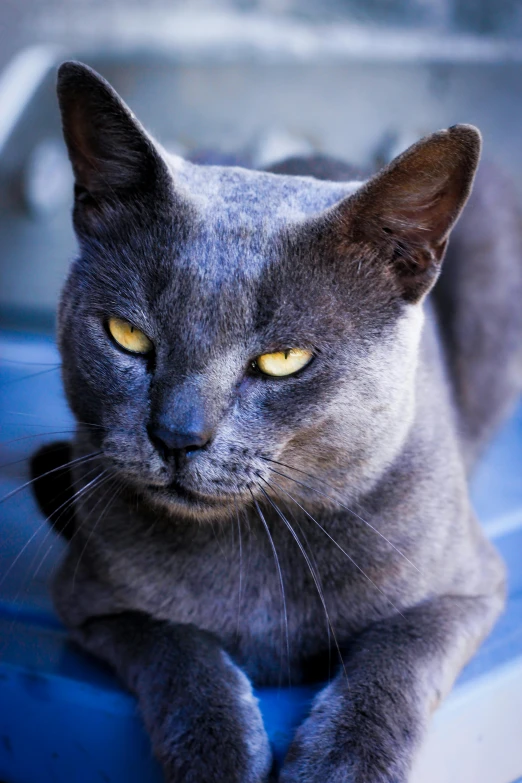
x,y
129,337
283,363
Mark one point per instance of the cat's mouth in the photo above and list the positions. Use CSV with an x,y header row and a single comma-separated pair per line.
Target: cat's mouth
x,y
187,495
176,494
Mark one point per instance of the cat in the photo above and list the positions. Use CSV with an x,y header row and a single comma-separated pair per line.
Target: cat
x,y
277,413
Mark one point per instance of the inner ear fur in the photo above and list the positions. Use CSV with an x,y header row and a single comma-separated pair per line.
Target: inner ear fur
x,y
407,210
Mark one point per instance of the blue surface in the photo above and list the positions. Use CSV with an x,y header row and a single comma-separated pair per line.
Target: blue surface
x,y
63,717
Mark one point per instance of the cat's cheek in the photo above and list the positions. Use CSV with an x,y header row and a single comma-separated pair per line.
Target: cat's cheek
x,y
245,386
129,451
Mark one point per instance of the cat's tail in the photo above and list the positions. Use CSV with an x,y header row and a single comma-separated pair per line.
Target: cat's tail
x,y
479,302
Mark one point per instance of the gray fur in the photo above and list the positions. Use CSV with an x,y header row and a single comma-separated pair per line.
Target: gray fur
x,y
217,266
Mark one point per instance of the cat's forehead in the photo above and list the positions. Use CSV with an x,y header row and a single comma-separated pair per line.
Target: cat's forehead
x,y
234,195
225,268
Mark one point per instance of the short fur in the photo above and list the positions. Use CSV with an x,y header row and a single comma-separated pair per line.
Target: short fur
x,y
356,466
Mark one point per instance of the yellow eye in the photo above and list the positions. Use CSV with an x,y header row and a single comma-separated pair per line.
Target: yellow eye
x,y
284,362
129,337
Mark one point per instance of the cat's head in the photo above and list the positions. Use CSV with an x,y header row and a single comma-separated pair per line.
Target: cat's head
x,y
219,321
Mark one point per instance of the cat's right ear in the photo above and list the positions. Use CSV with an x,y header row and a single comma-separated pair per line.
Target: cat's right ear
x,y
401,218
111,154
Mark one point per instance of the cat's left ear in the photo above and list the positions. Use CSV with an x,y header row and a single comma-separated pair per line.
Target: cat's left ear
x,y
402,217
111,154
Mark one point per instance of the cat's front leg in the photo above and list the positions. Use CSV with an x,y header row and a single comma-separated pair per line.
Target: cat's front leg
x,y
366,726
197,705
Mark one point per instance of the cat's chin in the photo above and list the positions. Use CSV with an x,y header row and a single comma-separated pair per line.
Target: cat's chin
x,y
179,500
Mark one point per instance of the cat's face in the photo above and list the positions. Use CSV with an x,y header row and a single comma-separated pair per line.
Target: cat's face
x,y
271,319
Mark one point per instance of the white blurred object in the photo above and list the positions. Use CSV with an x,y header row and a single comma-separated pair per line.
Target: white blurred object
x,y
276,144
47,178
19,83
175,147
475,736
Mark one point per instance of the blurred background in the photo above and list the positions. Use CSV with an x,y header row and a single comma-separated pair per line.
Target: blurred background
x,y
258,79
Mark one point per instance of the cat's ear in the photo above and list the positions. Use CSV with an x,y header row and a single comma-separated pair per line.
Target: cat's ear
x,y
111,154
406,212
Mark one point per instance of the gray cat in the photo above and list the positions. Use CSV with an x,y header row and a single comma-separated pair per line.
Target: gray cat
x,y
275,428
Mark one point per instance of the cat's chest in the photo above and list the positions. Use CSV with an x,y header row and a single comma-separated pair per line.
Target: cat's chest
x,y
261,606
263,598
219,584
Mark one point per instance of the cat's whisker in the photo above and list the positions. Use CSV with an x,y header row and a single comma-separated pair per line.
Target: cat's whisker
x,y
247,520
23,413
22,550
70,431
26,484
65,506
3,360
296,522
103,512
350,558
41,424
74,483
24,459
26,424
68,502
240,591
14,462
280,574
317,583
351,511
303,535
218,539
28,377
50,528
88,489
231,525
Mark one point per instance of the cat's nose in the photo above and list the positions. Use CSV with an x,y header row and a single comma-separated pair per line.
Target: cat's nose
x,y
180,424
175,442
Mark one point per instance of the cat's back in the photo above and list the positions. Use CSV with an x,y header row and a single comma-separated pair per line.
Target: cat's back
x,y
478,302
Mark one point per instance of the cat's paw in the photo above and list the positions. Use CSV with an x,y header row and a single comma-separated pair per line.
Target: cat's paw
x,y
198,706
339,744
216,735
